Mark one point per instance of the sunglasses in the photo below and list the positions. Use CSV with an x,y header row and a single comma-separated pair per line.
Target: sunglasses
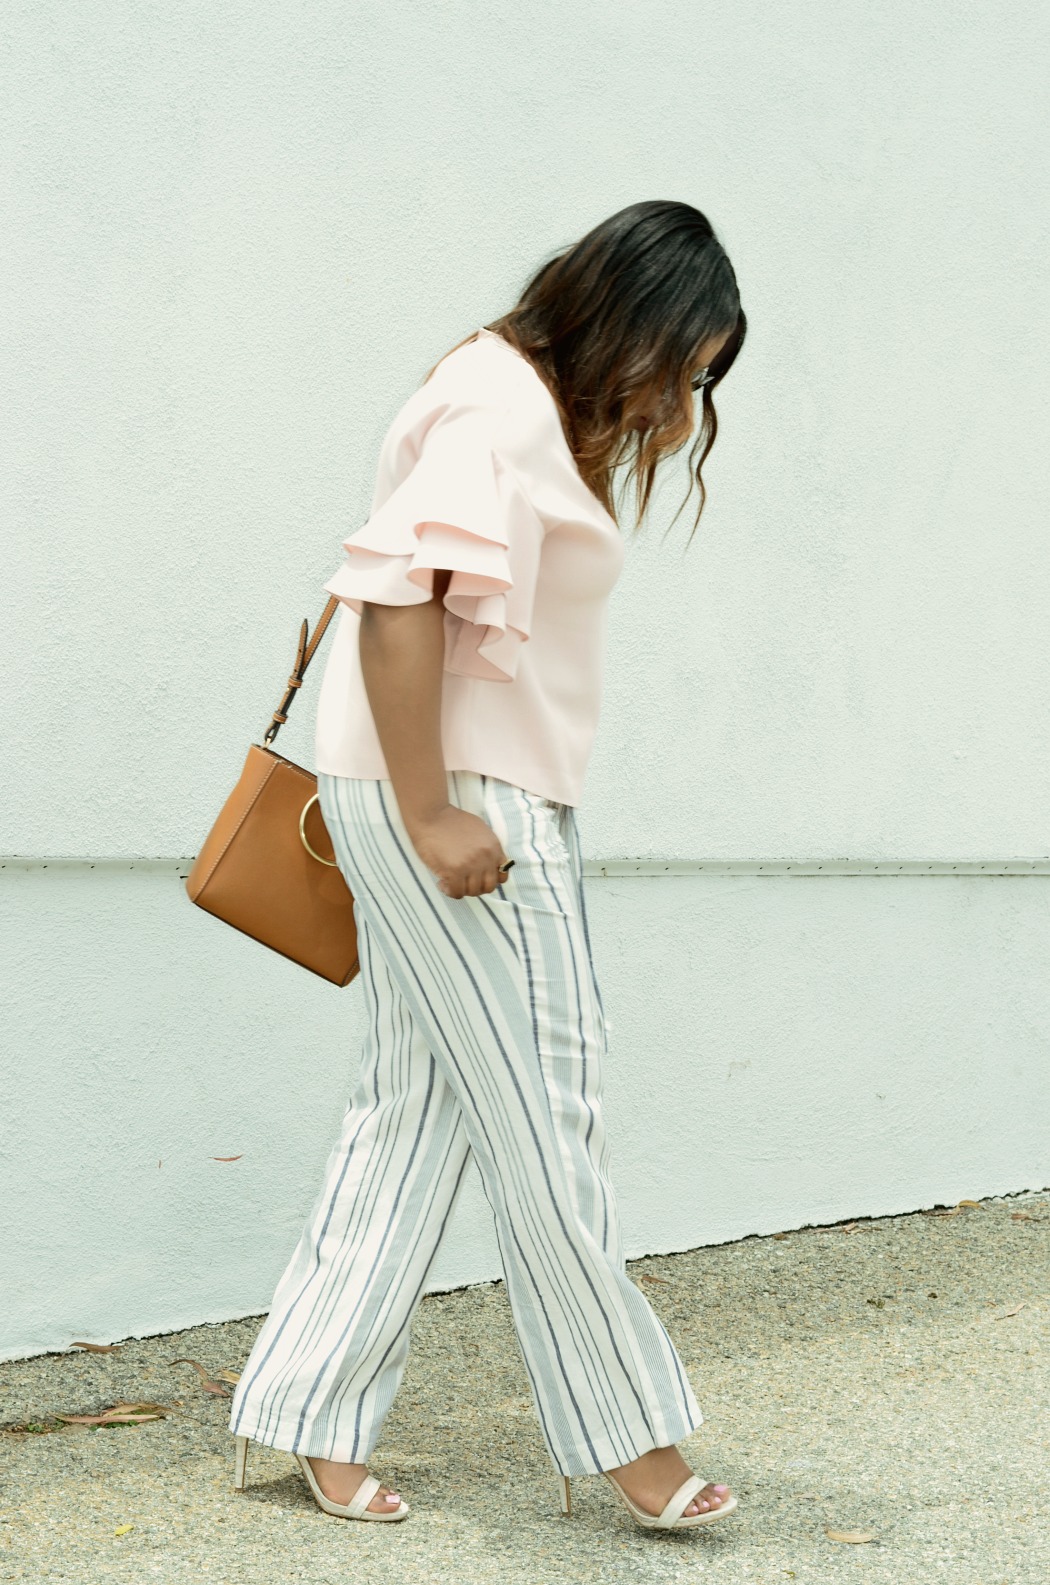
x,y
703,378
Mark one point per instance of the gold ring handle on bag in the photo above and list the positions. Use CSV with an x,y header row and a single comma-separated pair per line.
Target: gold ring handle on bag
x,y
302,833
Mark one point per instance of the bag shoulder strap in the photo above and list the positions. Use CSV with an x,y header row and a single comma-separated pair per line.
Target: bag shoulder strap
x,y
303,657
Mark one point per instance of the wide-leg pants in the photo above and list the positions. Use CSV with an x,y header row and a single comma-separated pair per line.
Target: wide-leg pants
x,y
485,1037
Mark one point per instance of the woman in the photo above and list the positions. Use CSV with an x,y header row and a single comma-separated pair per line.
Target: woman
x,y
457,711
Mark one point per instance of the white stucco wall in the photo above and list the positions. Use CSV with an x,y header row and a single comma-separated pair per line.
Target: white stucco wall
x,y
242,235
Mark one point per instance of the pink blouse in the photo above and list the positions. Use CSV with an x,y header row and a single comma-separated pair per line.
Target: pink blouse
x,y
475,475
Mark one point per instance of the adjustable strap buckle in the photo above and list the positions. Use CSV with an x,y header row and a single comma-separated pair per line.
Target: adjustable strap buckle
x,y
304,654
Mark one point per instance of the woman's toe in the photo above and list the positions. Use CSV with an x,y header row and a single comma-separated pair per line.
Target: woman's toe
x,y
711,1496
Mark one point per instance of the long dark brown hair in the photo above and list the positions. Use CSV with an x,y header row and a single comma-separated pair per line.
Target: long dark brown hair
x,y
616,322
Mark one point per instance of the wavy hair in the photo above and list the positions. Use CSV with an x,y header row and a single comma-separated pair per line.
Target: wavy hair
x,y
616,322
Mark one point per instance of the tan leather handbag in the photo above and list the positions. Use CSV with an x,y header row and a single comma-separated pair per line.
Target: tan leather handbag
x,y
267,865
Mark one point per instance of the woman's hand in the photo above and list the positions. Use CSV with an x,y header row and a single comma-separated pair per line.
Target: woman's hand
x,y
462,850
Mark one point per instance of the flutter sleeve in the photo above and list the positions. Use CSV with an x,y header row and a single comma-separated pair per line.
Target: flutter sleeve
x,y
459,507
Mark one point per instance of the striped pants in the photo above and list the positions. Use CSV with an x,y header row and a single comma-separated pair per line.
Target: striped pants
x,y
485,1037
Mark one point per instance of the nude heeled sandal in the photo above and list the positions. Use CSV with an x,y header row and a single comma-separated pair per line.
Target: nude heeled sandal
x,y
672,1517
356,1508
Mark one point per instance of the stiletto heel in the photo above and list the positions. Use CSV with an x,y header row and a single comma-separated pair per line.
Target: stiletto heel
x,y
241,1464
565,1493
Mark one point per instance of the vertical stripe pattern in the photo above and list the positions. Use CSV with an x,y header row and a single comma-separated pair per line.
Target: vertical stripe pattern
x,y
485,1037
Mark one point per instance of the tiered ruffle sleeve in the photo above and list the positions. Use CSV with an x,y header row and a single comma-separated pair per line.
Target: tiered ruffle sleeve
x,y
459,506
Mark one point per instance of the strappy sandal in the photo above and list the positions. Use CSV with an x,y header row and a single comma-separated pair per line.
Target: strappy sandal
x,y
673,1516
356,1508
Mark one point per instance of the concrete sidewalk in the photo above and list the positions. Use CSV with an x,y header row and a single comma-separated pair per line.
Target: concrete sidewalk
x,y
888,1377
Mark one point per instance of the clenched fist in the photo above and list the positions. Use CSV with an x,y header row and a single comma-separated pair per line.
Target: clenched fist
x,y
462,850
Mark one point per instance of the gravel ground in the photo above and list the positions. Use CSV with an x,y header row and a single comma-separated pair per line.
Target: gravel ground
x,y
887,1377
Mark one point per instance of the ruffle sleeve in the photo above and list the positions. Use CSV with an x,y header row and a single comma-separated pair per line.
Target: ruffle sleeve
x,y
459,507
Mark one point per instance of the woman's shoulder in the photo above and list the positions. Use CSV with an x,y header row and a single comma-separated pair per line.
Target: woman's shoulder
x,y
489,373
484,399
491,386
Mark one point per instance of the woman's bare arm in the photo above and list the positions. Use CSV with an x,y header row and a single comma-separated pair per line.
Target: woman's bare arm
x,y
402,654
402,661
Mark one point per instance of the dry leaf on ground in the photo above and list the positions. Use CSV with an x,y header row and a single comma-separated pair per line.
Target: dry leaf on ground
x,y
30,1428
206,1381
957,1208
119,1414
